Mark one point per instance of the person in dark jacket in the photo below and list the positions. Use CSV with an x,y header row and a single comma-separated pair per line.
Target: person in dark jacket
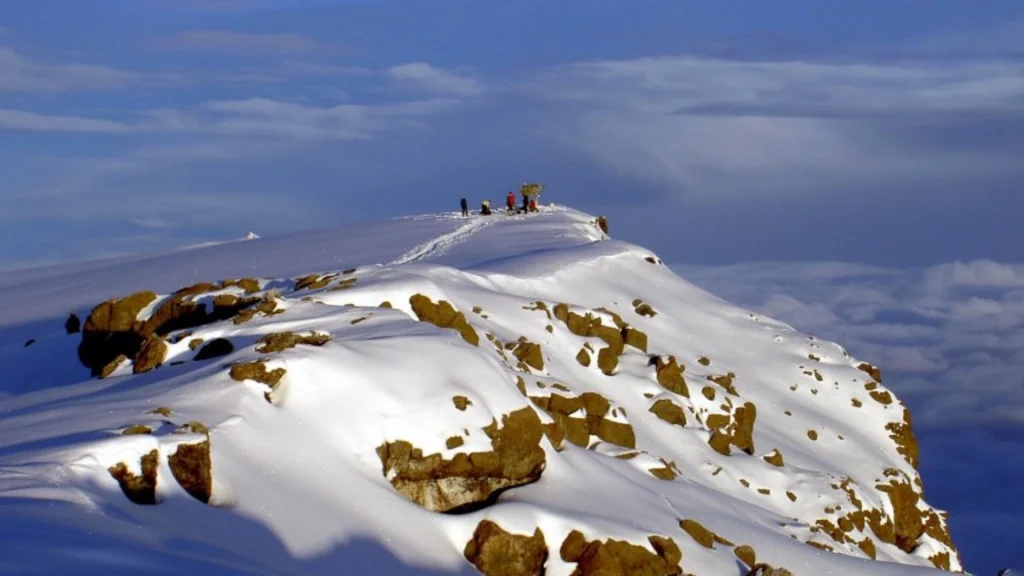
x,y
465,208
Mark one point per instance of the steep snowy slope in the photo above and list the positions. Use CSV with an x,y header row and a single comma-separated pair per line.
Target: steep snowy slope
x,y
435,395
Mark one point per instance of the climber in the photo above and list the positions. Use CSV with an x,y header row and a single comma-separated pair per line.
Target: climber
x,y
485,207
510,202
533,204
465,208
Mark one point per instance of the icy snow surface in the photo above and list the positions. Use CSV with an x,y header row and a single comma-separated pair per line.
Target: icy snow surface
x,y
298,486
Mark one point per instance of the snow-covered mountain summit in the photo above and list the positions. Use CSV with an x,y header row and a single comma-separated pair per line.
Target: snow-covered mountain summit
x,y
435,395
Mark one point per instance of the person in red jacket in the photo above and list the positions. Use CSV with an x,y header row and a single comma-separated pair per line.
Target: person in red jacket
x,y
510,202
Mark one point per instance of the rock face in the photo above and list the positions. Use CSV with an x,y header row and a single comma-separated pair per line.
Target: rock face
x,y
469,480
190,465
279,341
114,328
737,431
618,558
214,349
443,315
592,422
495,552
138,489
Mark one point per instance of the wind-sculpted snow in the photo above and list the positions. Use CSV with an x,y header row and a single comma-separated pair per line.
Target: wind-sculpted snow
x,y
512,395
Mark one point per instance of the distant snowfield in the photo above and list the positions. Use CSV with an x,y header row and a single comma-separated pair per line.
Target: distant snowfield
x,y
768,438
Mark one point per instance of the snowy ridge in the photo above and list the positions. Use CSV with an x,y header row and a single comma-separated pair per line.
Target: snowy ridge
x,y
507,388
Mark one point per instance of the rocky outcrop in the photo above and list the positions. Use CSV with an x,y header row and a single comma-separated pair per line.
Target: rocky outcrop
x,y
495,552
619,558
114,328
443,315
214,349
138,489
257,372
578,429
736,431
902,433
468,480
190,465
278,341
669,412
150,355
670,375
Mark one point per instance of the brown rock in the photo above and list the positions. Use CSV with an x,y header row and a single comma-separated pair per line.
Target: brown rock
x,y
461,402
619,558
902,434
195,343
150,355
746,555
214,349
873,371
594,404
583,357
495,552
698,532
635,338
257,371
775,458
704,361
670,376
669,412
766,570
725,382
443,315
602,223
812,434
136,429
881,397
444,485
907,519
607,360
454,442
530,354
108,331
190,465
708,392
644,309
138,489
312,282
111,366
278,341
613,432
868,546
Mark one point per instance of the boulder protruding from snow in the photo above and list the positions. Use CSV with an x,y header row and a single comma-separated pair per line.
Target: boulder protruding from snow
x,y
495,552
469,480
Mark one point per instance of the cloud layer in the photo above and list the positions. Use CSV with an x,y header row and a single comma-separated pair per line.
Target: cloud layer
x,y
950,342
950,338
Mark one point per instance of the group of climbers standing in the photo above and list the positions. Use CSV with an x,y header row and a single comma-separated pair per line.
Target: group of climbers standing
x,y
530,192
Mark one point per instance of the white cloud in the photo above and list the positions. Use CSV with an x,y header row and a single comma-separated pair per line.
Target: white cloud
x,y
21,74
21,120
423,76
947,337
712,129
230,42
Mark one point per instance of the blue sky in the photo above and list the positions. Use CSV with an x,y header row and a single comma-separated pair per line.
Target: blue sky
x,y
885,133
757,130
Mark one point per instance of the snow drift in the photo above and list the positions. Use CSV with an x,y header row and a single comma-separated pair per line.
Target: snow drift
x,y
436,395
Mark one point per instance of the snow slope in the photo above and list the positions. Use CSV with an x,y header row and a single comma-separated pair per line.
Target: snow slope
x,y
300,481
